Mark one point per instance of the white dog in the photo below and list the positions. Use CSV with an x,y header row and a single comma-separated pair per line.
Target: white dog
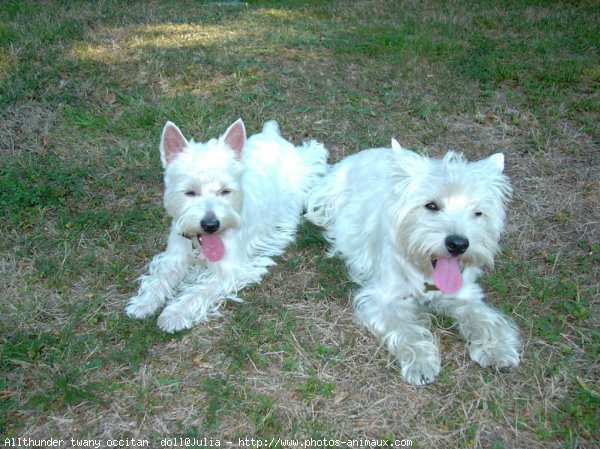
x,y
234,205
416,232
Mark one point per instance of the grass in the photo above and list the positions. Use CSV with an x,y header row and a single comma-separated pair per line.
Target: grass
x,y
84,92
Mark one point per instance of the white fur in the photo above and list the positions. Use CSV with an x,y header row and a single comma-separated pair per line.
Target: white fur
x,y
373,208
255,188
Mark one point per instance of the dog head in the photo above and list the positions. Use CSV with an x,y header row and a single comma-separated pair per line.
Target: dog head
x,y
449,213
202,185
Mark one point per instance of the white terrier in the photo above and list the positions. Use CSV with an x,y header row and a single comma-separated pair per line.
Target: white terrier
x,y
416,232
234,205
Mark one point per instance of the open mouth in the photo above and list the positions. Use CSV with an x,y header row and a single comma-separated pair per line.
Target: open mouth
x,y
446,274
211,245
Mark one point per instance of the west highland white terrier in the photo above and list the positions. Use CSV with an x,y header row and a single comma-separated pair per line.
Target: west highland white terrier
x,y
234,203
415,234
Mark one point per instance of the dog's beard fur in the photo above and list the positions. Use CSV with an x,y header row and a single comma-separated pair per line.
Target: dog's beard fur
x,y
234,204
190,200
389,213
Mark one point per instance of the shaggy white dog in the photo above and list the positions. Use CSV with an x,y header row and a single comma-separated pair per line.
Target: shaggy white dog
x,y
415,233
235,204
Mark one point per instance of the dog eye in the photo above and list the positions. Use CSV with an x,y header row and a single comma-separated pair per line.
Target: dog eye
x,y
432,206
478,214
224,192
191,193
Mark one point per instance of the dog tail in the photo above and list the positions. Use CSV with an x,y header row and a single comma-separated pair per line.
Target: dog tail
x,y
314,157
271,127
326,198
312,165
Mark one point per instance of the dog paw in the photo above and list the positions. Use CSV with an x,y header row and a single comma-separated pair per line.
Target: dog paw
x,y
172,321
501,356
141,307
422,369
420,373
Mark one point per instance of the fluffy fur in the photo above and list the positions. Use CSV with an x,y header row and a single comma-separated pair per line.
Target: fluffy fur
x,y
415,234
234,203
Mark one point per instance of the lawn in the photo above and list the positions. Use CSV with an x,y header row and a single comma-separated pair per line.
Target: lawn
x,y
85,89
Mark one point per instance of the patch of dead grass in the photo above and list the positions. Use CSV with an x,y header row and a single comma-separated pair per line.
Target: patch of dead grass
x,y
26,128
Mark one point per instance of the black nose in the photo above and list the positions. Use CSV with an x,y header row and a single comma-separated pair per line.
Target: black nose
x,y
210,224
456,245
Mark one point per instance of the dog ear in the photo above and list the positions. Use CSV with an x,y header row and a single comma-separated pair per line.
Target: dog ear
x,y
495,161
235,137
396,145
411,164
171,143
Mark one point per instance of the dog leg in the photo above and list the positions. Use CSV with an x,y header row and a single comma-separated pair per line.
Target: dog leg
x,y
493,339
395,321
165,272
196,303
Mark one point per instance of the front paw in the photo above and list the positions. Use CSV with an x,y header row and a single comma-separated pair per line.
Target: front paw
x,y
497,348
423,368
142,306
171,320
501,355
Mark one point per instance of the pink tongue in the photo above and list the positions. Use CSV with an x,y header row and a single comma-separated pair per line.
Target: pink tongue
x,y
446,275
212,247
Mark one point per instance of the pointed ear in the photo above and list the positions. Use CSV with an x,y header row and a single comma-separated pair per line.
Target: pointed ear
x,y
396,145
235,137
496,161
171,143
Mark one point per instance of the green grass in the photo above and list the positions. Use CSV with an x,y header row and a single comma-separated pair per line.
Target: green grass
x,y
84,92
553,304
